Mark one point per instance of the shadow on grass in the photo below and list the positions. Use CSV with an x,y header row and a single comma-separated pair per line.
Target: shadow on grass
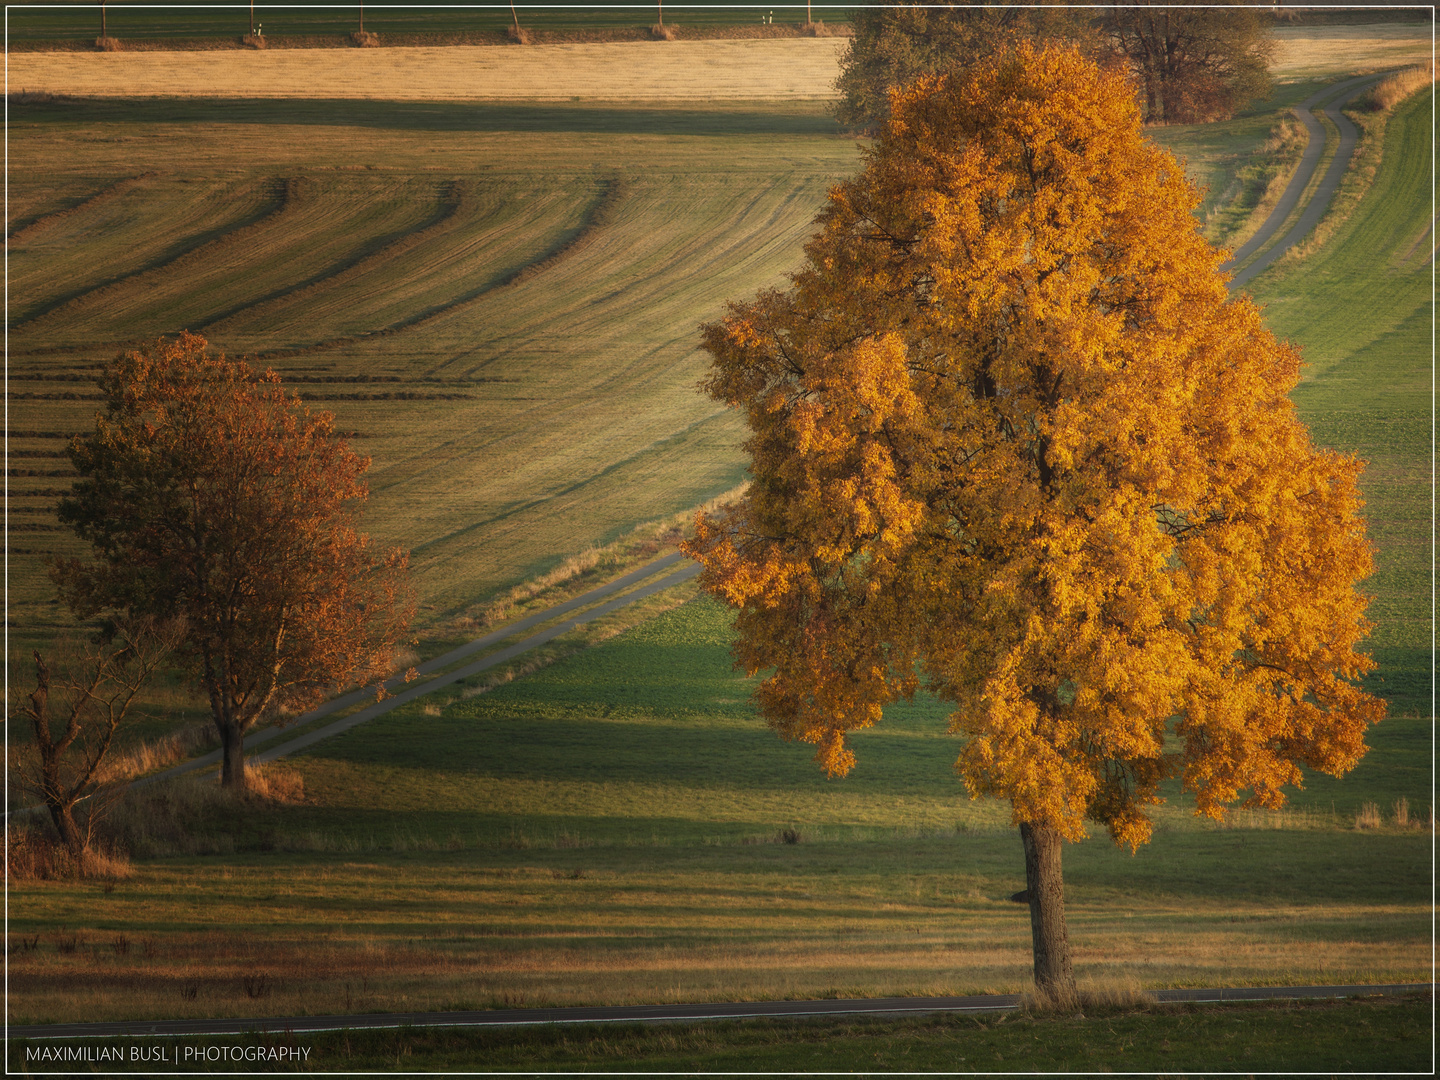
x,y
790,119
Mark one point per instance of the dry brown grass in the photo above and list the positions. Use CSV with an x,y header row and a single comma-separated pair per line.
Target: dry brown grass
x,y
187,815
1368,816
792,67
108,44
1385,95
149,757
1307,52
1114,994
660,32
35,853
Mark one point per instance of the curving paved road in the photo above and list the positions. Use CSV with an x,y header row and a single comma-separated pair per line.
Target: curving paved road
x,y
1343,93
426,686
655,1014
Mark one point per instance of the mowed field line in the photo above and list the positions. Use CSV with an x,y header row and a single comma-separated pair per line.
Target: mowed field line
x,y
325,234
378,290
594,371
148,224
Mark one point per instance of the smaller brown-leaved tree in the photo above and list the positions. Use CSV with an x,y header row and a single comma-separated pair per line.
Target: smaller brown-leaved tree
x,y
209,494
74,714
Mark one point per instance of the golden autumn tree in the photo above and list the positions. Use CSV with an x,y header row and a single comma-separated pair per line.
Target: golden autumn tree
x,y
210,495
1011,439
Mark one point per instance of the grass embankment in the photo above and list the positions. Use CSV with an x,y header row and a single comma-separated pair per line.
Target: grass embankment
x,y
1360,310
1383,1035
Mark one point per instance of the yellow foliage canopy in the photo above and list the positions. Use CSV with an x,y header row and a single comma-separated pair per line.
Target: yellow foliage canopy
x,y
1011,437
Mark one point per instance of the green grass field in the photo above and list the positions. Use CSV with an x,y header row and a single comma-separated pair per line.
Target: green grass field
x,y
1382,1036
611,828
80,23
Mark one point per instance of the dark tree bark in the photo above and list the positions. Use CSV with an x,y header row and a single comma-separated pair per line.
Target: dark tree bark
x,y
1054,974
232,774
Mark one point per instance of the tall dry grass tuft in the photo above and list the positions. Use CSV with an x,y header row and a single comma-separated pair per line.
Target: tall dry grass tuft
x,y
254,41
1368,816
190,815
815,29
364,39
519,35
663,33
1388,93
34,852
1402,812
1106,996
150,757
108,44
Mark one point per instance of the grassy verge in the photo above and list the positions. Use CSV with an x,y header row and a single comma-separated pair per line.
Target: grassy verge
x,y
1381,1035
1359,307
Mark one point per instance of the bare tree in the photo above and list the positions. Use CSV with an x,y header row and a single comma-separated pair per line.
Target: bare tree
x,y
75,715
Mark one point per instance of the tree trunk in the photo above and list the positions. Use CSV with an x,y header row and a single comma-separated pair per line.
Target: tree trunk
x,y
70,835
1054,975
232,773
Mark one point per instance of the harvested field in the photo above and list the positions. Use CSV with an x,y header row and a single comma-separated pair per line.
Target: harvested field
x,y
638,71
1313,52
503,307
791,68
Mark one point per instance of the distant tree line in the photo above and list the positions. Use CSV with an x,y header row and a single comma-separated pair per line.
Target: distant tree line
x,y
1190,63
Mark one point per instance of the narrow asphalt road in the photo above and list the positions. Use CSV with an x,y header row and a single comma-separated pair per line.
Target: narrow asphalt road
x,y
1343,93
653,1014
407,693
